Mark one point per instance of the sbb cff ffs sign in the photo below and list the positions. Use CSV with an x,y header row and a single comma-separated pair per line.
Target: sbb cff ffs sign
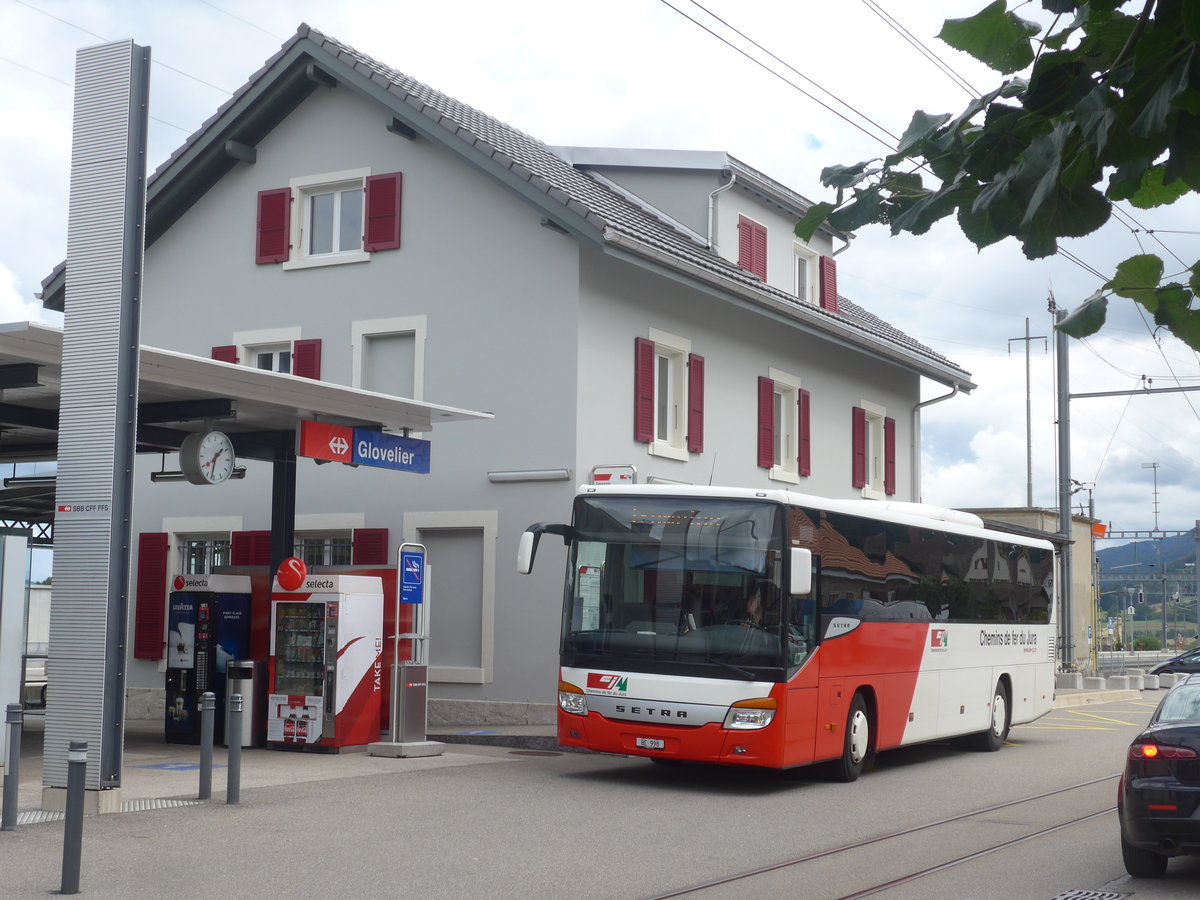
x,y
363,447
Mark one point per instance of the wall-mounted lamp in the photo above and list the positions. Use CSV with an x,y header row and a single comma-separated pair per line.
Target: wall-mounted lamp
x,y
30,481
238,472
530,475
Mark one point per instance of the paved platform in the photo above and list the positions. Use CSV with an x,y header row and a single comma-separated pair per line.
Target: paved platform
x,y
157,773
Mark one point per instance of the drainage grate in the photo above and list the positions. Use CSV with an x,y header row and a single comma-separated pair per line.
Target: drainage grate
x,y
1090,895
39,816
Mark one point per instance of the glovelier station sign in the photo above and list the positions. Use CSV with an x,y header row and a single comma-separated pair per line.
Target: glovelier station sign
x,y
363,447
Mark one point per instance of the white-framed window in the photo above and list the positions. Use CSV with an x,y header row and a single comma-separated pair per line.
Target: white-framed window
x,y
327,224
201,554
807,270
787,425
272,357
670,394
268,348
329,548
874,415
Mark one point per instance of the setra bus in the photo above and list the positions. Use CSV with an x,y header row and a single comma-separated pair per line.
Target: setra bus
x,y
778,629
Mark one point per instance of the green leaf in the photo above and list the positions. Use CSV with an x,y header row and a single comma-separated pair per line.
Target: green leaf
x,y
1194,281
1154,193
1042,164
917,217
813,219
1095,118
978,227
865,208
1137,276
919,128
846,176
994,36
1153,117
1087,318
903,184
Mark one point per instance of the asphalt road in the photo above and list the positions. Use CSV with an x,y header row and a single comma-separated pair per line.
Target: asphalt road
x,y
497,823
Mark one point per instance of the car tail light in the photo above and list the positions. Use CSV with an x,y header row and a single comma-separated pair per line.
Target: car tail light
x,y
1151,750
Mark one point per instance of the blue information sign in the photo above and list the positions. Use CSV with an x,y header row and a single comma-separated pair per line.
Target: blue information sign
x,y
412,576
390,451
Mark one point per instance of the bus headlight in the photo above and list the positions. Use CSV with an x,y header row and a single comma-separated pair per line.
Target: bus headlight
x,y
748,715
571,699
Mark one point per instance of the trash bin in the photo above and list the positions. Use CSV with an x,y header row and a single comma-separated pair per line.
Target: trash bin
x,y
248,677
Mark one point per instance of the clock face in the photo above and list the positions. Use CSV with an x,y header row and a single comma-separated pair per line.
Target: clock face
x,y
206,457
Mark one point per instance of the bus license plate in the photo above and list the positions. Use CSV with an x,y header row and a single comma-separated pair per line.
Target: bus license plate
x,y
651,744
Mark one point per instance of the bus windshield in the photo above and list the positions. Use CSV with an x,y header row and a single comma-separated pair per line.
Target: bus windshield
x,y
679,586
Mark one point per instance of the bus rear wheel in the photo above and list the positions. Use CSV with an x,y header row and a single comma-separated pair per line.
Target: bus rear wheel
x,y
856,743
993,739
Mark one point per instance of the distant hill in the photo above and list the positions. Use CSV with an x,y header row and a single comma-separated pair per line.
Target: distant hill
x,y
1175,552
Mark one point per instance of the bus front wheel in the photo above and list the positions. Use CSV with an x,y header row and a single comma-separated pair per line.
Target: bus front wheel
x,y
856,743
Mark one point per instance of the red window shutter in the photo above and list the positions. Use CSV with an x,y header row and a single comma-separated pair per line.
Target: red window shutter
x,y
804,457
766,422
382,225
250,548
369,547
306,358
858,438
643,390
273,238
760,252
228,353
829,294
752,247
695,426
150,607
889,456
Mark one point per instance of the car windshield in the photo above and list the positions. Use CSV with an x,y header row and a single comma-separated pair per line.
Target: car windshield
x,y
679,586
1181,705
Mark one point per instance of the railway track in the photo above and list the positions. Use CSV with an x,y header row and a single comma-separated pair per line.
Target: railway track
x,y
880,862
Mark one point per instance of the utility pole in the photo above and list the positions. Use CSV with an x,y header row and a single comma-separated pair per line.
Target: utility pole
x,y
1028,411
1063,396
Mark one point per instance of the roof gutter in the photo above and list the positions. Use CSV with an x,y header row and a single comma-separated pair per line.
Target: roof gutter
x,y
915,451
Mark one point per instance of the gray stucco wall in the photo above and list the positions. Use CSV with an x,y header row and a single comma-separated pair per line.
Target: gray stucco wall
x,y
499,296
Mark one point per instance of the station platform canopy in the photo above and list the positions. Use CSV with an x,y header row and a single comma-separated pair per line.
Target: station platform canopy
x,y
178,394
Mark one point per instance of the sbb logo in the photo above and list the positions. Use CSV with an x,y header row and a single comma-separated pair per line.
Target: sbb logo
x,y
292,572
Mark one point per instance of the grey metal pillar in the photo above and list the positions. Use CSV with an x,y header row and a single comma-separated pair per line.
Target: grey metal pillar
x,y
12,767
1063,392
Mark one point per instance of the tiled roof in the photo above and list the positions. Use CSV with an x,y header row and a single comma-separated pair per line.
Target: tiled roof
x,y
615,219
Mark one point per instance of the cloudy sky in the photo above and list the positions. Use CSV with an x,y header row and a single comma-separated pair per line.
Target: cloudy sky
x,y
639,73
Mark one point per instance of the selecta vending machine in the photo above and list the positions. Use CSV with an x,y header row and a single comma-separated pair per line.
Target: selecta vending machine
x,y
326,666
208,625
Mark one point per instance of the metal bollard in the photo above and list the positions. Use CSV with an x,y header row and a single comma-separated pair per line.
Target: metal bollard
x,y
233,738
77,752
12,768
208,712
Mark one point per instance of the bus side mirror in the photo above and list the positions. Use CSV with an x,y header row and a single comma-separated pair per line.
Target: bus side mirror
x,y
801,572
527,548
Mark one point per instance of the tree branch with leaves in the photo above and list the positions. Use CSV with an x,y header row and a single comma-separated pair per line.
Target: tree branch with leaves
x,y
1109,112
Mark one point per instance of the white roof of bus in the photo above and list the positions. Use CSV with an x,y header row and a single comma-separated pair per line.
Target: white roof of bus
x,y
919,515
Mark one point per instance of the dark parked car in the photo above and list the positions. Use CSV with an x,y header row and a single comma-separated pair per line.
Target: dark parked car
x,y
1160,787
1185,662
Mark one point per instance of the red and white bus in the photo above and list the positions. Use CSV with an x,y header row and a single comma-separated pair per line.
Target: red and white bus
x,y
777,629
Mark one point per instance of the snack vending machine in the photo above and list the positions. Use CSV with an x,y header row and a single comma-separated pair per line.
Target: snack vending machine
x,y
326,667
208,625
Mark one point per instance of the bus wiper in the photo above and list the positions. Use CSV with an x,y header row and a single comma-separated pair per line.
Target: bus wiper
x,y
745,673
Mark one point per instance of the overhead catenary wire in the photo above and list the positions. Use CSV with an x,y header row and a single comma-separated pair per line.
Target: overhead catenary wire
x,y
920,47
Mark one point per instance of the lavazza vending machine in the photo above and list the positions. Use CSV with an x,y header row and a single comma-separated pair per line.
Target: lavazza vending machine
x,y
326,666
208,626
